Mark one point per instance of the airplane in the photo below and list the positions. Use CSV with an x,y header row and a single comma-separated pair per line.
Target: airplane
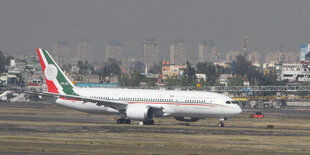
x,y
134,104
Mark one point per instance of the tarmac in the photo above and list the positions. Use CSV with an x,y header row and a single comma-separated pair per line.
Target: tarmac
x,y
90,123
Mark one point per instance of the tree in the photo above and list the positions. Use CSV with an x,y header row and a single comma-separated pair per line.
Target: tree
x,y
242,67
185,81
223,70
123,80
245,68
85,68
133,79
155,69
113,61
67,67
151,81
235,81
172,81
109,69
137,66
4,61
189,76
210,70
201,68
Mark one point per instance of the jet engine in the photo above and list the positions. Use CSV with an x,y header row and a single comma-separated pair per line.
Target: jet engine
x,y
139,112
187,119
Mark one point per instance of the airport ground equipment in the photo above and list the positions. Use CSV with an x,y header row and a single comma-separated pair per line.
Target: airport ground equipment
x,y
257,115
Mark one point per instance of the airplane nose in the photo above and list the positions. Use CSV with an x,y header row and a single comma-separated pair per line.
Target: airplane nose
x,y
238,110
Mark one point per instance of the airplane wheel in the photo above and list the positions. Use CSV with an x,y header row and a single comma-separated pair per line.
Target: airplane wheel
x,y
119,121
221,124
123,121
151,122
127,121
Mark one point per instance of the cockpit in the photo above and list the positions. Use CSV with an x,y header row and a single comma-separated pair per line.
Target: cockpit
x,y
231,102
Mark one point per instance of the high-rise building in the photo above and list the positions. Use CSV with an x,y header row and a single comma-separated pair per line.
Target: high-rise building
x,y
150,52
178,51
62,54
115,50
62,48
207,51
85,51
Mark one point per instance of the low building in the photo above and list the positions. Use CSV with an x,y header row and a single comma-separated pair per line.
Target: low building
x,y
295,72
172,70
223,79
8,80
272,67
201,77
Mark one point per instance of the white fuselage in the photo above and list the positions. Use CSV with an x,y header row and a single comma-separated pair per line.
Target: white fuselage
x,y
174,103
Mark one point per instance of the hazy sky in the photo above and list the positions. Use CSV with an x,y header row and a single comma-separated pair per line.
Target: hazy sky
x,y
28,24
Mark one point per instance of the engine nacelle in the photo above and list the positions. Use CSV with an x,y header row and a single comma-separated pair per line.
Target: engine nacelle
x,y
139,112
187,119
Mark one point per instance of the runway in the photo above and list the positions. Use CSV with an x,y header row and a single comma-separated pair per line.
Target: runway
x,y
38,119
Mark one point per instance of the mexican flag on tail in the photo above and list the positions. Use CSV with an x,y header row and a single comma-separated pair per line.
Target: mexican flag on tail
x,y
57,82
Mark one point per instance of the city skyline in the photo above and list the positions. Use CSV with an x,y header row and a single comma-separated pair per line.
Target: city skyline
x,y
27,24
206,52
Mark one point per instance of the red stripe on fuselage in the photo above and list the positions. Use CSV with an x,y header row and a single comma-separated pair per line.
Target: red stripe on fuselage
x,y
50,84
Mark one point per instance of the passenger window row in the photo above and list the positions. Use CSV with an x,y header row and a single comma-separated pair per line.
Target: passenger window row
x,y
196,101
99,97
144,99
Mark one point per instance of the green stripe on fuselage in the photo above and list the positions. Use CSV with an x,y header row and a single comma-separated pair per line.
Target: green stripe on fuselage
x,y
65,84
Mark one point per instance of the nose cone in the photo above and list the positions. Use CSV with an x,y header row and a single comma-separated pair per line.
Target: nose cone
x,y
238,110
232,111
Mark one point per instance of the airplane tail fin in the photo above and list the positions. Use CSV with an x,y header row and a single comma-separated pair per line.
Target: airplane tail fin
x,y
57,82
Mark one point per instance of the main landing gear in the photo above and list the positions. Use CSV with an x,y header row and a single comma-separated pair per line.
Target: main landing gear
x,y
123,121
150,122
127,121
221,123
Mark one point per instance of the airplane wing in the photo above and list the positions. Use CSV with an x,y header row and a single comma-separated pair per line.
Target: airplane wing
x,y
118,105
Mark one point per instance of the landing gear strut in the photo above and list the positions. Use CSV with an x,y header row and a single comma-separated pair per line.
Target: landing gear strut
x,y
123,121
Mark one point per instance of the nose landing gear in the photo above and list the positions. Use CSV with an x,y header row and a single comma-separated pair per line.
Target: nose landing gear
x,y
221,123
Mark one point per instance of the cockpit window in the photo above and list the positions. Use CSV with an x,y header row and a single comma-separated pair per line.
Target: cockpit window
x,y
234,102
227,102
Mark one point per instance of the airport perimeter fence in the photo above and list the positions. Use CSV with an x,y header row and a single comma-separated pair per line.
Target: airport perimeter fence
x,y
229,88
